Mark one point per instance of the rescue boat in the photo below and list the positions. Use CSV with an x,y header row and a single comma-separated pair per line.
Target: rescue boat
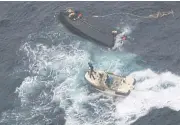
x,y
110,83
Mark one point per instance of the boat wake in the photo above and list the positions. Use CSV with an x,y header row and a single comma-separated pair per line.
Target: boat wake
x,y
57,82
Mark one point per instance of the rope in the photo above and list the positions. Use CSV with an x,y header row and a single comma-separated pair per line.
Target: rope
x,y
91,26
156,15
109,68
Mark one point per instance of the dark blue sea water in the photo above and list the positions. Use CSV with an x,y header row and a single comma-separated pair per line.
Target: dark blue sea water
x,y
42,65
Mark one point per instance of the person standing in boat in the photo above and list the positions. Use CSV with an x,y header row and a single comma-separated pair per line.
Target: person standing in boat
x,y
91,70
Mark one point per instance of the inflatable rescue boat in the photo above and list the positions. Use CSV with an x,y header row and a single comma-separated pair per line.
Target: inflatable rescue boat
x,y
88,28
110,83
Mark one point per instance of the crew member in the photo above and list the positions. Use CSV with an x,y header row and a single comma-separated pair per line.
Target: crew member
x,y
123,37
71,14
114,33
79,15
91,70
74,14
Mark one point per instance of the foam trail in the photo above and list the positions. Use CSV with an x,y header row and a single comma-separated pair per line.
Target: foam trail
x,y
152,90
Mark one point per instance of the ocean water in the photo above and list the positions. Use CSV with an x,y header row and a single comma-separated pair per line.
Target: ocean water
x,y
43,65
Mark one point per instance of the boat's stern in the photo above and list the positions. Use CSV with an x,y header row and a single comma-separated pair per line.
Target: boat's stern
x,y
130,80
126,86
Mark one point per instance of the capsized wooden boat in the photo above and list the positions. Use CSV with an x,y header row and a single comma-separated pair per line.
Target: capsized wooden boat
x,y
89,28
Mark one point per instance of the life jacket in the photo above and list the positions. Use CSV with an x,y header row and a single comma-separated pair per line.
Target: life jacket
x,y
79,15
124,37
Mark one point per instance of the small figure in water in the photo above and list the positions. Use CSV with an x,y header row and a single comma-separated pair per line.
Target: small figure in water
x,y
91,70
123,37
115,33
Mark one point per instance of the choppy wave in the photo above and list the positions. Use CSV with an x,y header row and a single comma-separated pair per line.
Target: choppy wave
x,y
57,82
152,91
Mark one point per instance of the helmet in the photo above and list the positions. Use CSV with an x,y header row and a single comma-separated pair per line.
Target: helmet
x,y
114,32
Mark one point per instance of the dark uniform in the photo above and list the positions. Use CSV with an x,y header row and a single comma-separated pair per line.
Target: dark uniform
x,y
91,70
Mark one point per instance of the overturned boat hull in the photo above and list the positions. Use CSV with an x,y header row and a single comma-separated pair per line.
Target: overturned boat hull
x,y
89,28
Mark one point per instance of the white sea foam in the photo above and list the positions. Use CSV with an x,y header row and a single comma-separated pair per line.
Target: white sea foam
x,y
152,90
58,77
83,107
126,30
